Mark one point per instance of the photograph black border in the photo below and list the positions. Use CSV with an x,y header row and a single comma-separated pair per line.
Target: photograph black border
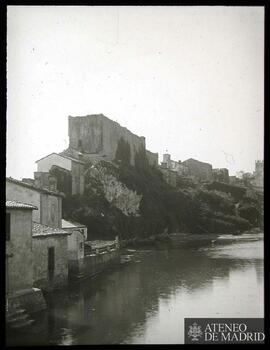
x,y
3,92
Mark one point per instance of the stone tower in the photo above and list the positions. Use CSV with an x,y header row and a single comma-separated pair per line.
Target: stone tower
x,y
98,136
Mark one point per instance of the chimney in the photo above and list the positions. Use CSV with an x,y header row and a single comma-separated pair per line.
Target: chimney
x,y
37,177
45,180
52,183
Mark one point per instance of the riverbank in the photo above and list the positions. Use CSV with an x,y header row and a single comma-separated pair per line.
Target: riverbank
x,y
146,302
151,241
173,239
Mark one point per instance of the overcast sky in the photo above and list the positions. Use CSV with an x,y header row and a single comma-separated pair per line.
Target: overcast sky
x,y
189,79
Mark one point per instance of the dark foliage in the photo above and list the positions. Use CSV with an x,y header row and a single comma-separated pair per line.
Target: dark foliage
x,y
250,213
236,191
162,208
217,201
122,154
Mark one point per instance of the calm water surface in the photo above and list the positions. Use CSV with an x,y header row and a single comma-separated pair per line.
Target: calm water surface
x,y
146,302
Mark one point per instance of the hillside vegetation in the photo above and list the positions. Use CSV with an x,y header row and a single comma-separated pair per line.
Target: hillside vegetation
x,y
135,201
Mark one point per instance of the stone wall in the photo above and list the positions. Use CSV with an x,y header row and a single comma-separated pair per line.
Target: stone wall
x,y
40,258
31,300
64,179
20,264
221,175
257,181
49,205
77,173
178,167
259,164
201,170
152,158
97,134
45,180
169,176
23,194
75,244
75,168
45,164
96,263
75,269
51,210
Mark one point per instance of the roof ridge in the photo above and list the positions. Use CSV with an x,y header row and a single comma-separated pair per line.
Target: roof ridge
x,y
76,223
26,184
15,204
43,229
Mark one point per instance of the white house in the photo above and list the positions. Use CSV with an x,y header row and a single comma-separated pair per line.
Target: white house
x,y
76,239
62,165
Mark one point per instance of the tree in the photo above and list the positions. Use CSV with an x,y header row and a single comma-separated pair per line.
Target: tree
x,y
123,152
141,161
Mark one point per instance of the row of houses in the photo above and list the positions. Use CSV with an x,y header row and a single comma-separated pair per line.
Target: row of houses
x,y
252,180
96,137
204,172
44,252
91,137
40,244
43,246
192,168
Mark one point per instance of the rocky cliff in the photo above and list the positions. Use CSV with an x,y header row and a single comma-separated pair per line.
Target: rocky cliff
x,y
135,201
115,192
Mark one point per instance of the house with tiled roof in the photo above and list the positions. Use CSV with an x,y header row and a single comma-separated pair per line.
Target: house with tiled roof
x,y
19,258
19,205
76,240
47,201
49,241
68,171
50,255
200,170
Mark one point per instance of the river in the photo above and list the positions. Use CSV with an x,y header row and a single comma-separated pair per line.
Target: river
x,y
147,301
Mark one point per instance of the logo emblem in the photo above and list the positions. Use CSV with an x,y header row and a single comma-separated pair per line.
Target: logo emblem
x,y
195,332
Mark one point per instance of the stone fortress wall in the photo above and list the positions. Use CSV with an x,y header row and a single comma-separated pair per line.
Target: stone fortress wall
x,y
98,136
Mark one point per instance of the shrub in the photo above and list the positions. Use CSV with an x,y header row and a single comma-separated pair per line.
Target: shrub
x,y
238,222
217,200
162,207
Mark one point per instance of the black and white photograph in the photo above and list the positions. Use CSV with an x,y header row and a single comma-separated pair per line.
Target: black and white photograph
x,y
134,175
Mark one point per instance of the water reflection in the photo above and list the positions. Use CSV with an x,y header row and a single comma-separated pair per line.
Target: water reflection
x,y
147,302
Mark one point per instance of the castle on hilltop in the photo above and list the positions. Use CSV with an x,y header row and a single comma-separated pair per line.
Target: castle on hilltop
x,y
92,137
96,136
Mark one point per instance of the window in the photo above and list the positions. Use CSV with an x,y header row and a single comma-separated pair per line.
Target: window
x,y
7,226
51,262
53,212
